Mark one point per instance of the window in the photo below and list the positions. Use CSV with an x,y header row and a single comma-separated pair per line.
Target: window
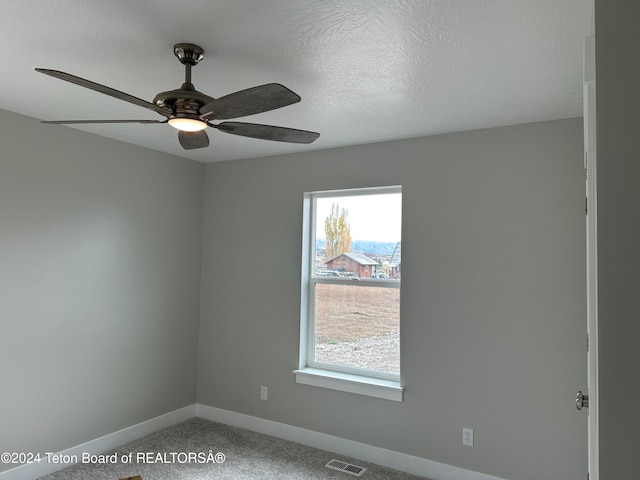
x,y
350,315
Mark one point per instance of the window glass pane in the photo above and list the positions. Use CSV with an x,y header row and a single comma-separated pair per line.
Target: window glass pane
x,y
358,326
358,236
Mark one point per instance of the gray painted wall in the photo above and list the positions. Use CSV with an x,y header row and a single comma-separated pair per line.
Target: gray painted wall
x,y
618,156
493,296
100,255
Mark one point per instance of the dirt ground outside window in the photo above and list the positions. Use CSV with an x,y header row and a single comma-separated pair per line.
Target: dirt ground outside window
x,y
358,326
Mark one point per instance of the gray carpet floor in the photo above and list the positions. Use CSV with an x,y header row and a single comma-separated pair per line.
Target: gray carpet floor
x,y
247,456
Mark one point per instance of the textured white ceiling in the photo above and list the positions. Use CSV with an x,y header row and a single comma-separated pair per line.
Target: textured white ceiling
x,y
367,71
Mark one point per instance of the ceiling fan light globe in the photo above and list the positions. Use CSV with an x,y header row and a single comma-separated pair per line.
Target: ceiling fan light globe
x,y
187,124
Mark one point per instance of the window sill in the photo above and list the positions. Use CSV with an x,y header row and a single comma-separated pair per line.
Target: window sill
x,y
345,382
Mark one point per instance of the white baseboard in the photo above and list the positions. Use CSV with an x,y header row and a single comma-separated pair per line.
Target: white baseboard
x,y
361,451
349,448
102,444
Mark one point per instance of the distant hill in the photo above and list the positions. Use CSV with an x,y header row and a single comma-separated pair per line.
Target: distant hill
x,y
364,246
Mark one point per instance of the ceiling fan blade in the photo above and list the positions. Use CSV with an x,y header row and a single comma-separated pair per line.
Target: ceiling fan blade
x,y
103,89
69,122
250,101
267,132
192,140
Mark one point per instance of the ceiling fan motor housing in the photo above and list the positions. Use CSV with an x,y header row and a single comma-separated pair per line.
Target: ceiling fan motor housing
x,y
183,102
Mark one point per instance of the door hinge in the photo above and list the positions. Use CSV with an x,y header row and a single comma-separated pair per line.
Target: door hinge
x,y
586,205
586,164
587,342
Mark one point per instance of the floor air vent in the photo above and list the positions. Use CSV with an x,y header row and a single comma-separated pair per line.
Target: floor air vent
x,y
346,467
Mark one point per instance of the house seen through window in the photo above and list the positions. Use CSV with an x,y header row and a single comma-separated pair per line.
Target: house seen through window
x,y
351,287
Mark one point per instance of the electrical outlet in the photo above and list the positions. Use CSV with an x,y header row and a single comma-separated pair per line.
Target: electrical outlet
x,y
264,392
467,437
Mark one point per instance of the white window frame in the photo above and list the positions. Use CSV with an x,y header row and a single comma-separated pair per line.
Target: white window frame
x,y
338,377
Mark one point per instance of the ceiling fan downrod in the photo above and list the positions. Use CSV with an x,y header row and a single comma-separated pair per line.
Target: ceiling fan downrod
x,y
189,55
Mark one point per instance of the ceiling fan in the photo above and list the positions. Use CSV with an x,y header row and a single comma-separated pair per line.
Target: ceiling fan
x,y
191,111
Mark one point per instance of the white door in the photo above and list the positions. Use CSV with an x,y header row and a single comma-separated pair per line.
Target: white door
x,y
592,252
